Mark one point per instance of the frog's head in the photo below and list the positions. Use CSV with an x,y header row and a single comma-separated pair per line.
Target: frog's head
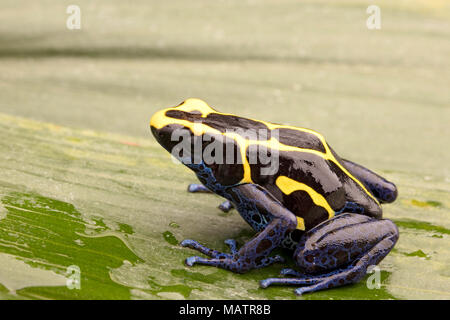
x,y
185,119
188,129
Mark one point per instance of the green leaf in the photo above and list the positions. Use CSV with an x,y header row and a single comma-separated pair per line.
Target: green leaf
x,y
72,197
108,199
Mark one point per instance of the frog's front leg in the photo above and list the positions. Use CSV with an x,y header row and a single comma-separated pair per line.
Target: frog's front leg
x,y
338,252
255,253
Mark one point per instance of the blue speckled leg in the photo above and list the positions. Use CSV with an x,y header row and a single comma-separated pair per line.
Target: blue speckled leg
x,y
254,254
338,252
273,221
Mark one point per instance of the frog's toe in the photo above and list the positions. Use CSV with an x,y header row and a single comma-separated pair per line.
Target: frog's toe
x,y
264,283
288,281
290,272
195,188
307,289
193,244
189,243
190,261
201,248
300,291
226,206
232,244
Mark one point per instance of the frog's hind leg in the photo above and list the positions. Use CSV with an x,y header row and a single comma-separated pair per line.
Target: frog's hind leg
x,y
199,188
338,252
385,191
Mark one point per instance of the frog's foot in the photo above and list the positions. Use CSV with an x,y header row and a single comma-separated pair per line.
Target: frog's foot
x,y
209,252
226,206
225,260
233,263
198,188
340,277
252,255
338,252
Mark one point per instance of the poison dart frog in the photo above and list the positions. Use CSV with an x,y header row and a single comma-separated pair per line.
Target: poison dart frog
x,y
323,207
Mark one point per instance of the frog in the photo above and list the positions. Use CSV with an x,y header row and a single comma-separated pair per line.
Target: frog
x,y
323,208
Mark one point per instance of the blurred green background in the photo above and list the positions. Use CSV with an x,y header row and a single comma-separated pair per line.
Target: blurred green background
x,y
81,176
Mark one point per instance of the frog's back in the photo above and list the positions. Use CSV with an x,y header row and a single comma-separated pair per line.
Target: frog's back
x,y
312,181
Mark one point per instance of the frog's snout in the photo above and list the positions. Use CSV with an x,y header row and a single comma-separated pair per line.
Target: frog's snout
x,y
165,135
162,135
155,132
157,126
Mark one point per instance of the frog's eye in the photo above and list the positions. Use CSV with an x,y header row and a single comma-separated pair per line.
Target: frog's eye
x,y
190,116
193,104
176,114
